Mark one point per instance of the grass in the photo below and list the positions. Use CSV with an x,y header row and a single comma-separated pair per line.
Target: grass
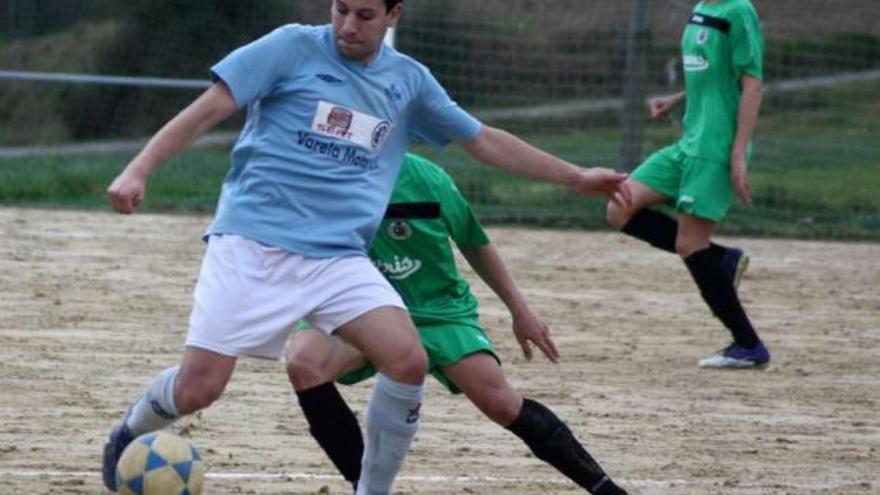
x,y
816,173
190,182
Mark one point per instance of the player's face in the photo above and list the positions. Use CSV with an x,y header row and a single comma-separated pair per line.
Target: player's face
x,y
360,26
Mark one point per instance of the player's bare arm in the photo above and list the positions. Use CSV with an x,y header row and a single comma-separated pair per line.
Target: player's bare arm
x,y
747,119
528,327
503,150
660,106
212,107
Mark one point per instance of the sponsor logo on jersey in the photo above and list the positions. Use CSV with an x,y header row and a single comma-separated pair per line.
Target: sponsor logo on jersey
x,y
340,122
694,63
399,230
686,199
398,268
340,118
329,78
347,155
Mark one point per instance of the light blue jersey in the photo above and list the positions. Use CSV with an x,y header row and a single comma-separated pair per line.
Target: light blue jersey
x,y
315,164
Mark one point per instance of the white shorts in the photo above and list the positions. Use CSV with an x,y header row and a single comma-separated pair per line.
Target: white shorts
x,y
249,296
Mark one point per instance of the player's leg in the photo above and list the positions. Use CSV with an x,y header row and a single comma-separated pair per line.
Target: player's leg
x,y
655,182
360,306
388,339
641,222
177,391
718,290
239,309
314,360
480,377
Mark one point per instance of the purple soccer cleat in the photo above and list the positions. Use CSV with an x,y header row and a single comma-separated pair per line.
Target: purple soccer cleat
x,y
120,437
737,357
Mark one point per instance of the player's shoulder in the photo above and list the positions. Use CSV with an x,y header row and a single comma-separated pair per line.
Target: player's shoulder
x,y
743,8
425,170
301,33
407,65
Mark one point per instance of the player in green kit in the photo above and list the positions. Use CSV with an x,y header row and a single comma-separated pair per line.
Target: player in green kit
x,y
722,50
413,251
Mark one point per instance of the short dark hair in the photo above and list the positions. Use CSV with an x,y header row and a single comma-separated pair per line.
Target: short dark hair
x,y
390,4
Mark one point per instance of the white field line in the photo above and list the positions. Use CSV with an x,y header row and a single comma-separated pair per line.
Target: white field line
x,y
439,479
226,138
282,477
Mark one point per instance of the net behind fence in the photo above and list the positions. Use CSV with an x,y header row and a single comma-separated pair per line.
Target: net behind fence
x,y
567,75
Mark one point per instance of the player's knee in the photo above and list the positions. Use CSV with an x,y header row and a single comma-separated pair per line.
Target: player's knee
x,y
501,405
304,371
410,369
616,215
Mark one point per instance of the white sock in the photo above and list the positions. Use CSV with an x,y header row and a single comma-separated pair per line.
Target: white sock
x,y
155,409
392,421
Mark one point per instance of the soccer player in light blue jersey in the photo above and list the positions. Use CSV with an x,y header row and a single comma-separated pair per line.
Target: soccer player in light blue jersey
x,y
330,112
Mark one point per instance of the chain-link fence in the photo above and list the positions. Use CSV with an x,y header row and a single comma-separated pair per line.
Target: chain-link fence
x,y
568,75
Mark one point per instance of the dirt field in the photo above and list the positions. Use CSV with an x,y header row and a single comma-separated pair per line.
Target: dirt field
x,y
92,305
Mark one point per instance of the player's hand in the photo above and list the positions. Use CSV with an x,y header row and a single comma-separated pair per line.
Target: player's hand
x,y
530,329
606,182
740,179
127,191
660,106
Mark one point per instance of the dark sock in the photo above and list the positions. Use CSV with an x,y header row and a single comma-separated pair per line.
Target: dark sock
x,y
333,424
653,227
717,290
552,442
660,230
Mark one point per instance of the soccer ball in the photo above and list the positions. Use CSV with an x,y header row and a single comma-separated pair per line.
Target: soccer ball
x,y
160,463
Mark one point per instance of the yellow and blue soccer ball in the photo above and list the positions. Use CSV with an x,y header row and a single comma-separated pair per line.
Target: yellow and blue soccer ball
x,y
160,463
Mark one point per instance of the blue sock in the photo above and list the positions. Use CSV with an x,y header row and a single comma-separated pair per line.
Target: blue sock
x,y
392,422
155,409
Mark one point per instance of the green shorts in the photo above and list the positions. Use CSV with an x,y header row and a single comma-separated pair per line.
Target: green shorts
x,y
446,344
695,186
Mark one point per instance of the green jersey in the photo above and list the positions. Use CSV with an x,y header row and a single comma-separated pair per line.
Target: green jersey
x,y
412,248
721,43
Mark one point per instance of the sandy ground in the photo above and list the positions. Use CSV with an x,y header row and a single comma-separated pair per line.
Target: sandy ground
x,y
92,305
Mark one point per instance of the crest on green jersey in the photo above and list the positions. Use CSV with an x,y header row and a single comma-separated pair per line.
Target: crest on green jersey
x,y
399,230
702,36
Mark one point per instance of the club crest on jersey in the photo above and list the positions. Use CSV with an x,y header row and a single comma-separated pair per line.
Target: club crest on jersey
x,y
702,36
380,134
341,122
399,230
